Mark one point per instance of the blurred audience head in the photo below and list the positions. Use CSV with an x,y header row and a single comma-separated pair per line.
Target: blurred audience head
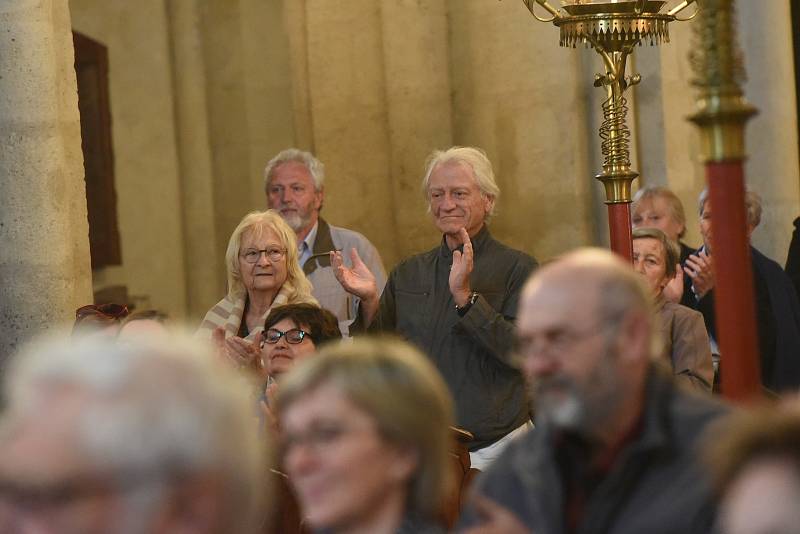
x,y
294,331
658,207
365,433
585,339
102,436
144,324
752,207
755,458
99,319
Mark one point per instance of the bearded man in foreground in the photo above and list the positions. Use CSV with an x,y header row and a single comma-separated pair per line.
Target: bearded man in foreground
x,y
615,445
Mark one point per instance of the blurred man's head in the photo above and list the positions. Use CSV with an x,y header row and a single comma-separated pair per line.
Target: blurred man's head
x,y
101,437
755,458
585,337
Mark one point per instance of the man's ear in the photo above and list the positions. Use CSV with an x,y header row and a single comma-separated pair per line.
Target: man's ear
x,y
633,339
320,198
488,203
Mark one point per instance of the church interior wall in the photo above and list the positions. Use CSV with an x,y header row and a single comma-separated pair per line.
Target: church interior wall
x,y
218,87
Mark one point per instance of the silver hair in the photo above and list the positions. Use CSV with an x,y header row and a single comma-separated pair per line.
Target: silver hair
x,y
752,204
166,411
472,157
315,167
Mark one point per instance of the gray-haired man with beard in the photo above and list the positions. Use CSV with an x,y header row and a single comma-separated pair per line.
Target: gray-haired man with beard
x,y
614,449
294,182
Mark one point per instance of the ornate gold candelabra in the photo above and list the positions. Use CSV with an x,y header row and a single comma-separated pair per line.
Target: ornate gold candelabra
x,y
613,28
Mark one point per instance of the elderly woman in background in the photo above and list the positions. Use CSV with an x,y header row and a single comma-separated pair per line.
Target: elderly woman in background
x,y
365,434
658,207
263,272
683,331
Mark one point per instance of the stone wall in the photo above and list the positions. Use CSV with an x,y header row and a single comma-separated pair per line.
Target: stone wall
x,y
372,86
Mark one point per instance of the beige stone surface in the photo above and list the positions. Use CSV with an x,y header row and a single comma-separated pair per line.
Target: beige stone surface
x,y
521,98
372,86
145,151
202,245
44,246
419,116
349,117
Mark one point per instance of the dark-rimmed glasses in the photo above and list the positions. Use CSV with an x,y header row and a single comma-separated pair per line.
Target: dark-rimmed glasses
x,y
293,336
252,255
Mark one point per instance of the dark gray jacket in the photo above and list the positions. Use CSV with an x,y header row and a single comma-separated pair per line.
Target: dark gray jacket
x,y
471,352
656,484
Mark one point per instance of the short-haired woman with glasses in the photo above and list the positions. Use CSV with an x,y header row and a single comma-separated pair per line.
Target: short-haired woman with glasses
x,y
293,332
263,272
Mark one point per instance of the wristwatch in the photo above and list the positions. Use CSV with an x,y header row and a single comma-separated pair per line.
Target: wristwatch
x,y
462,310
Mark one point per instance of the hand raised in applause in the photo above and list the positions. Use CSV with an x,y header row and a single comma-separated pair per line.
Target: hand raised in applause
x,y
673,291
461,269
238,351
700,268
358,281
495,519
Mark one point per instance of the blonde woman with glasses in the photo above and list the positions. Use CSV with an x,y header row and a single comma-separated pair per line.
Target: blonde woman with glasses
x,y
263,272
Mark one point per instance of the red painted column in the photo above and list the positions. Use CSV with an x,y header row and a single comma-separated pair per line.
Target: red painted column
x,y
619,226
733,292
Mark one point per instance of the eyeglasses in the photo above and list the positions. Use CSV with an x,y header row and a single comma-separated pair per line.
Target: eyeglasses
x,y
273,254
555,341
108,311
293,336
318,438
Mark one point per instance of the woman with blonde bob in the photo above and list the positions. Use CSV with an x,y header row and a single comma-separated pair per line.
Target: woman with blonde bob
x,y
263,272
365,434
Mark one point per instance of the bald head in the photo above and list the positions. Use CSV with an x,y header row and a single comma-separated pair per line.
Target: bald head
x,y
592,280
585,333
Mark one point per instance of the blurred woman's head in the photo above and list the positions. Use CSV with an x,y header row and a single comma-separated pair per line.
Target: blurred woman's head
x,y
366,432
262,257
294,331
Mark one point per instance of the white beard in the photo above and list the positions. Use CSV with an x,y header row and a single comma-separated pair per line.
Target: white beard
x,y
295,221
566,411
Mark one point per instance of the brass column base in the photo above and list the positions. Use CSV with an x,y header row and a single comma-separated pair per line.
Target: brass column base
x,y
617,186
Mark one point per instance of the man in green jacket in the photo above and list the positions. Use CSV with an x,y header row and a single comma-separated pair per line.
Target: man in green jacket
x,y
458,301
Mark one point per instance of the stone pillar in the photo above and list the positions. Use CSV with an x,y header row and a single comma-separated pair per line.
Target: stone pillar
x,y
44,246
203,248
522,98
417,77
348,106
